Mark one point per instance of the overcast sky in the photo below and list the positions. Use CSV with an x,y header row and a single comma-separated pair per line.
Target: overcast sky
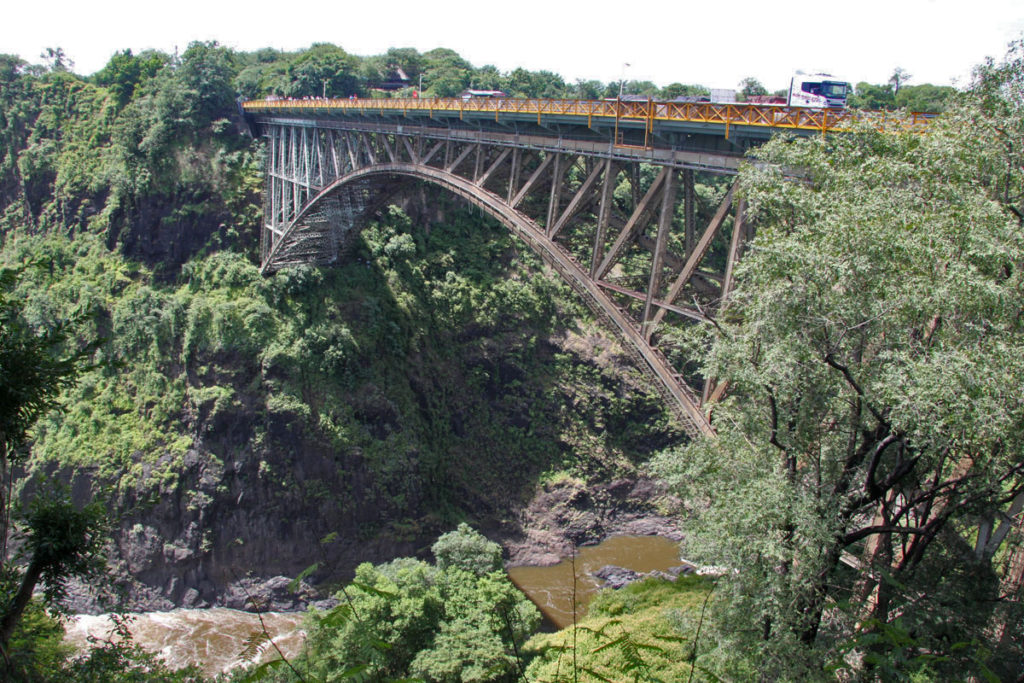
x,y
715,44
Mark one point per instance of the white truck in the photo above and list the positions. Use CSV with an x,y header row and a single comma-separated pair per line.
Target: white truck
x,y
823,91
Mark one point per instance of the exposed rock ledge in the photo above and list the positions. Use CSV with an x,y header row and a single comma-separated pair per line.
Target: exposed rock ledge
x,y
619,577
566,514
561,515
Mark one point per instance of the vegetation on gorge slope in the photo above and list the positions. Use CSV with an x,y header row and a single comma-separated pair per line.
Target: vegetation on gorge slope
x,y
136,193
428,365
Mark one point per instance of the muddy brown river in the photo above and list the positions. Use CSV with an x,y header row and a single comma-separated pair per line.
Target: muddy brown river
x,y
553,589
214,638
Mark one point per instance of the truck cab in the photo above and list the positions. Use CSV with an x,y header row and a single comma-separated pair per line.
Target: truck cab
x,y
822,91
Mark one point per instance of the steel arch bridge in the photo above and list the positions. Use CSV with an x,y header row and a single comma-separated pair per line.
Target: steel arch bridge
x,y
604,194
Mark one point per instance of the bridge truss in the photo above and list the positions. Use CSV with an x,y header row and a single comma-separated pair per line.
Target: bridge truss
x,y
619,223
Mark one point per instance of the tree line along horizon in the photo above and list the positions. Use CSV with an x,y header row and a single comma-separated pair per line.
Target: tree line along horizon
x,y
327,70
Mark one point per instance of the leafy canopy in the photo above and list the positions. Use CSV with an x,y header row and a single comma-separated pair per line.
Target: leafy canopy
x,y
874,353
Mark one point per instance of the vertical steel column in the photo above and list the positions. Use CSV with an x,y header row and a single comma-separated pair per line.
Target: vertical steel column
x,y
269,197
283,169
668,202
689,210
319,140
603,215
293,176
478,163
335,163
735,248
513,174
306,159
351,146
555,200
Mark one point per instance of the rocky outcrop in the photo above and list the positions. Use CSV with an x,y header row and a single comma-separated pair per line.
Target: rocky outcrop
x,y
569,513
619,577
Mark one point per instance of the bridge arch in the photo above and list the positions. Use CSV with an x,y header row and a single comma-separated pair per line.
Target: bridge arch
x,y
584,198
373,178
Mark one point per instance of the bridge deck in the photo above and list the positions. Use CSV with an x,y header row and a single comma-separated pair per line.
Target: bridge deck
x,y
698,116
566,176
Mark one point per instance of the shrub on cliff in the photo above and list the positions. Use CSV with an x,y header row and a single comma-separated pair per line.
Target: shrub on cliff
x,y
458,620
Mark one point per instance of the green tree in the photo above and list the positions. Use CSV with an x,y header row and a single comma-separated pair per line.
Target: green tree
x,y
57,59
445,73
125,71
467,549
458,620
323,67
868,96
588,90
206,74
926,97
874,350
523,83
751,86
898,79
59,541
642,88
262,73
17,110
488,77
674,90
408,59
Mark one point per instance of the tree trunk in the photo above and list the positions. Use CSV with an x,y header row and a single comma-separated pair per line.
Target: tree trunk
x,y
28,584
1010,590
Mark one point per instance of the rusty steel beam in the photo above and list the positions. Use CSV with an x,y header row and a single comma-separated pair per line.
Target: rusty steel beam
x,y
322,183
582,196
668,201
635,222
611,173
531,182
699,251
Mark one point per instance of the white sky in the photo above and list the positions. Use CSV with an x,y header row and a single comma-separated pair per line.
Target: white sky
x,y
715,44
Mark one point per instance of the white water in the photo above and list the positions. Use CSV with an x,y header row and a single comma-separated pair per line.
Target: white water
x,y
212,638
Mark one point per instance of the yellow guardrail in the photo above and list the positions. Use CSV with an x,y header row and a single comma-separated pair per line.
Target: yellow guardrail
x,y
770,116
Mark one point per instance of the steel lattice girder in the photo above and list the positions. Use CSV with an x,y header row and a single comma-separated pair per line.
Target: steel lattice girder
x,y
325,181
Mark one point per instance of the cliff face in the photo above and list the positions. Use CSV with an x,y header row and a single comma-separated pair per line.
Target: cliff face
x,y
243,510
227,522
244,428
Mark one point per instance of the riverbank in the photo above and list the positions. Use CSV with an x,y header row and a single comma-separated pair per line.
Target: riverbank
x,y
216,639
565,514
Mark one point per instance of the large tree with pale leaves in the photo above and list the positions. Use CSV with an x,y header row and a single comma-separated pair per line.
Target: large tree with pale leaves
x,y
866,481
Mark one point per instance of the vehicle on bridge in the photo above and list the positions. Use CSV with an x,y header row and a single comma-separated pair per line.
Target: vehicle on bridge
x,y
812,91
822,91
471,94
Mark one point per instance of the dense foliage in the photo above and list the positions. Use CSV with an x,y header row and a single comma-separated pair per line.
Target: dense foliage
x,y
460,619
916,98
643,632
869,466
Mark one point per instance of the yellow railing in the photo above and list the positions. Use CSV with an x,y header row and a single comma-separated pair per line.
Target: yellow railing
x,y
650,111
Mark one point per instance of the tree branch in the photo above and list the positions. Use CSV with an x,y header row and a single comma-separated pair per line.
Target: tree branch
x,y
831,362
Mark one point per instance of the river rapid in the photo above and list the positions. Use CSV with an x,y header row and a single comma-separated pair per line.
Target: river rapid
x,y
214,638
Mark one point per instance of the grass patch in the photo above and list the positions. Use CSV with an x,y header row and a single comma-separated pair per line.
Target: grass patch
x,y
642,632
